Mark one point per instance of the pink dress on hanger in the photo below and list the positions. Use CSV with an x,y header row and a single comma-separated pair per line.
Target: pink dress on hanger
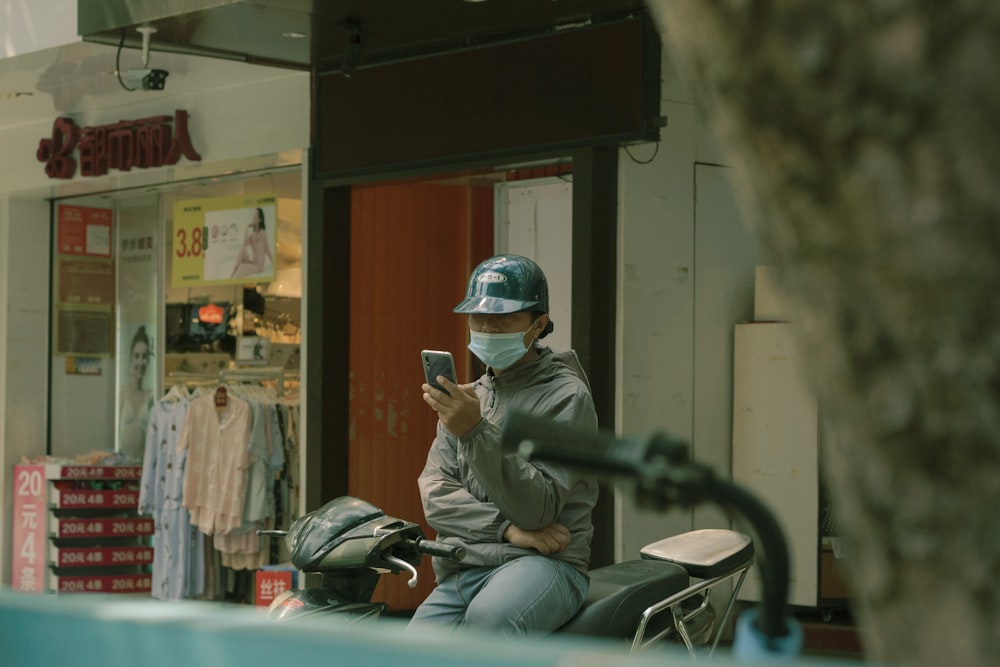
x,y
215,475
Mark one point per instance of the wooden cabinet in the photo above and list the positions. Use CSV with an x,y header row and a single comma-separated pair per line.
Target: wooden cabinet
x,y
77,530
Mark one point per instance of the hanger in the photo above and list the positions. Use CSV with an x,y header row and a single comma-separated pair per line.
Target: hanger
x,y
176,393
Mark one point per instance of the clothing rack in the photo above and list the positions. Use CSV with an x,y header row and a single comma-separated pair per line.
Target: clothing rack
x,y
276,373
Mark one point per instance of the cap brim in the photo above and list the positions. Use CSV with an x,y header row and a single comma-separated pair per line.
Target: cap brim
x,y
493,305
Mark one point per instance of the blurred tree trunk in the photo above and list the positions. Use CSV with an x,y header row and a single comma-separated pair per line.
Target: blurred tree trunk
x,y
866,143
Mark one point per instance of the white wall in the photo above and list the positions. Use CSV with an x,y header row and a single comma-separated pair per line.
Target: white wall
x,y
534,218
685,278
33,25
24,316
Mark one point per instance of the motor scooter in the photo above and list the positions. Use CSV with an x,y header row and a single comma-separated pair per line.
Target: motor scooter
x,y
351,543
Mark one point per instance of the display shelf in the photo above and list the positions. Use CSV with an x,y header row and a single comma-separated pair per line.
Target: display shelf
x,y
76,529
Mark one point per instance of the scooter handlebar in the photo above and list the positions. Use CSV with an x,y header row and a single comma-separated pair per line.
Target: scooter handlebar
x,y
432,548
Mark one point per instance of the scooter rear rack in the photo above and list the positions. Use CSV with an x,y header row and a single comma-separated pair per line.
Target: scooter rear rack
x,y
624,598
712,556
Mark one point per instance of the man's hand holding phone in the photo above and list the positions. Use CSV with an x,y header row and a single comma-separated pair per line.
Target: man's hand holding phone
x,y
457,405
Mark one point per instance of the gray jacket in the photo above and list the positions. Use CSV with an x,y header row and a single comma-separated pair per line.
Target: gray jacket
x,y
472,490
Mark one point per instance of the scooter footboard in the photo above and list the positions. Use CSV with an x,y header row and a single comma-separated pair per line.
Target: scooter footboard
x,y
619,594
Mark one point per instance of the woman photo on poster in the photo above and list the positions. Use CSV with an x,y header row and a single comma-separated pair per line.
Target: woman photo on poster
x,y
255,251
136,400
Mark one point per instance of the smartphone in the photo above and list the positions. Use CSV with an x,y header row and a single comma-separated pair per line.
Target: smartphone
x,y
438,362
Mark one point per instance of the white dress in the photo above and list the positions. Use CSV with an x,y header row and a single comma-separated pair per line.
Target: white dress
x,y
178,547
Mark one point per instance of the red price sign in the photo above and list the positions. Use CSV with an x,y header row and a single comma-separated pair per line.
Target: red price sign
x,y
189,244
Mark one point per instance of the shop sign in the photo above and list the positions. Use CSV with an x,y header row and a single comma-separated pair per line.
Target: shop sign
x,y
143,143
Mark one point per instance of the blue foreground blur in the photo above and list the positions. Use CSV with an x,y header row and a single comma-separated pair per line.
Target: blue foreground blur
x,y
85,630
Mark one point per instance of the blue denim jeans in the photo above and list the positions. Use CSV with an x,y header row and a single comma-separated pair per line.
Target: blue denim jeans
x,y
531,594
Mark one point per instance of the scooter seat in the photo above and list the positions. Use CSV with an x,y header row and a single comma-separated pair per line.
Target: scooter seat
x,y
705,554
619,593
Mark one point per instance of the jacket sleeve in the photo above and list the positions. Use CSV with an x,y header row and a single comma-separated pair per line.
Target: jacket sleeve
x,y
450,508
531,495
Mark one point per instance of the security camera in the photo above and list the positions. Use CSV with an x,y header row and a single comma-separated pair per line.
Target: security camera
x,y
146,79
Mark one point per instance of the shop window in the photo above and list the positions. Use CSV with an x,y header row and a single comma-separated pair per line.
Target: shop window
x,y
179,284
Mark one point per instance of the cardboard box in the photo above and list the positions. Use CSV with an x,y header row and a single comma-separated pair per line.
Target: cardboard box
x,y
833,583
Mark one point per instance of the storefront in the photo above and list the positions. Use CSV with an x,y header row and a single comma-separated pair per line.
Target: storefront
x,y
400,193
151,240
368,173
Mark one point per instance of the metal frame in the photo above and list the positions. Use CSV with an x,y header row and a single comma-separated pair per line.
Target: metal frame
x,y
673,603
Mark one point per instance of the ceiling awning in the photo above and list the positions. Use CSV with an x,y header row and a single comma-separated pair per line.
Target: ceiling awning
x,y
335,34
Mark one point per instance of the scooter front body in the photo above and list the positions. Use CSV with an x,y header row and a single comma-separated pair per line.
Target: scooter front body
x,y
301,603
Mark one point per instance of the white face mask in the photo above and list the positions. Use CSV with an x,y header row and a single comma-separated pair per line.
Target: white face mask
x,y
499,351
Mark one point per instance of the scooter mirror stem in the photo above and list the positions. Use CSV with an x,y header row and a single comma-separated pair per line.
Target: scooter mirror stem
x,y
403,565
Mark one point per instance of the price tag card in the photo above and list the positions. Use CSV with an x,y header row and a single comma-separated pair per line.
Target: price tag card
x,y
94,472
104,527
224,240
80,499
118,583
100,556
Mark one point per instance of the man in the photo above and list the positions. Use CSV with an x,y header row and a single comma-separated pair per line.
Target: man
x,y
526,527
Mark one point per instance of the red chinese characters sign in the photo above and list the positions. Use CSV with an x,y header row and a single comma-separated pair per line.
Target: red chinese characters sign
x,y
143,143
270,584
28,568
